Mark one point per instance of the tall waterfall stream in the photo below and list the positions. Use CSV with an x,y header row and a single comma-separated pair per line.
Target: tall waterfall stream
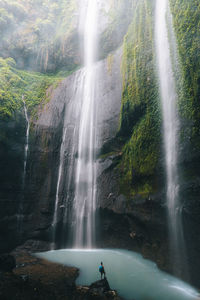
x,y
83,142
85,181
27,140
170,132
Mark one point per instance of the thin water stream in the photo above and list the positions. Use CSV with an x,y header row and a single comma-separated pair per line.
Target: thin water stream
x,y
26,148
27,141
129,273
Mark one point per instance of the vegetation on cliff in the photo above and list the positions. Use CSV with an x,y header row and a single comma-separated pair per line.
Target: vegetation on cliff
x,y
40,35
187,29
14,83
140,112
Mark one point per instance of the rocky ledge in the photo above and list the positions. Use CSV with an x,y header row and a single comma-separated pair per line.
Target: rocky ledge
x,y
33,278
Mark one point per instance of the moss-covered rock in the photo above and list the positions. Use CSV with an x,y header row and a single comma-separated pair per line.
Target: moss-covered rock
x,y
187,28
40,35
14,83
140,112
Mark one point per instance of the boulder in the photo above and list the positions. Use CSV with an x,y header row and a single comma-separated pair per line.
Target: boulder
x,y
100,290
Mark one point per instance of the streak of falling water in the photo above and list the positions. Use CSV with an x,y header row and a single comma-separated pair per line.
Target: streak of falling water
x,y
26,148
85,190
170,130
27,140
68,145
60,170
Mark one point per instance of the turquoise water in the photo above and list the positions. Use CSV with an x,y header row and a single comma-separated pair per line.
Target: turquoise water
x,y
127,272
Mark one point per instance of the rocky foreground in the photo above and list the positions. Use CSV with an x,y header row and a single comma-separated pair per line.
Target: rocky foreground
x,y
34,278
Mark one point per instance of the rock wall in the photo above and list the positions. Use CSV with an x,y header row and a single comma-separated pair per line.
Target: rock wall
x,y
11,193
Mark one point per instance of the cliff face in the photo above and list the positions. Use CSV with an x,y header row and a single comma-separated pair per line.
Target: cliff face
x,y
11,173
131,180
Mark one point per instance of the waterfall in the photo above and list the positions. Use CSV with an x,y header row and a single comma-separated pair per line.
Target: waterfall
x,y
85,181
170,131
76,178
62,153
20,209
27,141
67,157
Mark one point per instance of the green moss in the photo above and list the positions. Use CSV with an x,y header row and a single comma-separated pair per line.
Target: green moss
x,y
187,28
140,111
110,60
106,155
14,83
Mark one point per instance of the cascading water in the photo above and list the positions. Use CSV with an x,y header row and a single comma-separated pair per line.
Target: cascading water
x,y
80,117
85,189
20,209
62,153
67,158
170,129
27,140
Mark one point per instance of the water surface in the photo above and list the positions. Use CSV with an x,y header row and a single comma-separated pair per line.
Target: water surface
x,y
127,272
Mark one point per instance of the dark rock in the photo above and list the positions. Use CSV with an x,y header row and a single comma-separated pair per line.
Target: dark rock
x,y
7,262
101,285
38,279
33,246
99,290
25,278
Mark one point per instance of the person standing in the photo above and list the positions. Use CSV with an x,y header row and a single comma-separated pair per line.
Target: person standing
x,y
102,270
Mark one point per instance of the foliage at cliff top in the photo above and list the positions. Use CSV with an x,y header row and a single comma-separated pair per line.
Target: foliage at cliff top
x,y
14,83
140,112
186,19
38,33
43,35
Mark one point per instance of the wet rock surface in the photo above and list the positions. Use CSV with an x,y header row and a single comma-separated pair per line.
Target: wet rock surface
x,y
12,139
98,290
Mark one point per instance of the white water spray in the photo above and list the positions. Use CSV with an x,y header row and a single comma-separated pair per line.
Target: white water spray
x,y
170,129
85,190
